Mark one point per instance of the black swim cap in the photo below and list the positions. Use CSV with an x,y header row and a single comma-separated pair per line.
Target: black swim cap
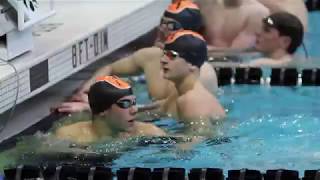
x,y
190,45
186,13
287,25
106,91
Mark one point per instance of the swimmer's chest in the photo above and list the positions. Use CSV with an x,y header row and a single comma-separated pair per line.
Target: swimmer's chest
x,y
170,107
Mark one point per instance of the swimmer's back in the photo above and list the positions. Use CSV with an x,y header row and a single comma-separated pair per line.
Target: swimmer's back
x,y
148,129
79,132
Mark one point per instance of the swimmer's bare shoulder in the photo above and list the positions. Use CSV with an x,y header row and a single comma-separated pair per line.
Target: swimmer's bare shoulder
x,y
260,62
208,77
257,13
199,104
268,62
148,129
79,132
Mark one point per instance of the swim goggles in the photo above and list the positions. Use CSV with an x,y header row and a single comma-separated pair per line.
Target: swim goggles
x,y
171,25
171,54
126,103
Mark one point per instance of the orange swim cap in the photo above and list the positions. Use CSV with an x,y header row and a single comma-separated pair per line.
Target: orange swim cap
x,y
186,13
189,45
106,91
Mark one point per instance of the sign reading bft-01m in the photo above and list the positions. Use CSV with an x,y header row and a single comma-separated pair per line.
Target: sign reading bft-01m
x,y
88,48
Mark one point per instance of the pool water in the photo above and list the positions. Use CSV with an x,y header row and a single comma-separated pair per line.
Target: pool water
x,y
266,128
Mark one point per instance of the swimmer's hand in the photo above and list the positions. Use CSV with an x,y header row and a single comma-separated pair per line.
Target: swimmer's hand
x,y
79,96
222,52
159,45
71,107
149,112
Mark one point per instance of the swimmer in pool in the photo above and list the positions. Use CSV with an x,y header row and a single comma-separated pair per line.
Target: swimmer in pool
x,y
182,14
183,55
295,7
113,108
231,25
147,60
279,39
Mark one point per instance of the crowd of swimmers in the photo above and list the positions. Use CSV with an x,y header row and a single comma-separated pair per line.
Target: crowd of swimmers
x,y
179,79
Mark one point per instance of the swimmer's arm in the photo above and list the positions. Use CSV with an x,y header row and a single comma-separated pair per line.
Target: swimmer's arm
x,y
257,63
151,111
274,5
149,107
261,62
246,38
71,107
122,67
232,49
146,56
214,51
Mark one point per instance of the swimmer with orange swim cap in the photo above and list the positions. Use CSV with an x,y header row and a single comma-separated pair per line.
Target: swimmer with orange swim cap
x,y
113,108
183,14
184,54
147,60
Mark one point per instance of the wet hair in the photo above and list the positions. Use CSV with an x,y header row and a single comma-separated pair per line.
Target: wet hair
x,y
288,25
106,91
186,13
190,45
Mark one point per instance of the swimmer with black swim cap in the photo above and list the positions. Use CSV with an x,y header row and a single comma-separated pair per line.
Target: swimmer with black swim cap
x,y
106,92
184,53
113,108
188,45
183,14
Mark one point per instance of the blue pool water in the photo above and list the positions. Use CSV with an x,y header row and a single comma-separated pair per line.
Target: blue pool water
x,y
268,128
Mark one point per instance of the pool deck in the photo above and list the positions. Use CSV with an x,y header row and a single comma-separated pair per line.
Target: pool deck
x,y
79,34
